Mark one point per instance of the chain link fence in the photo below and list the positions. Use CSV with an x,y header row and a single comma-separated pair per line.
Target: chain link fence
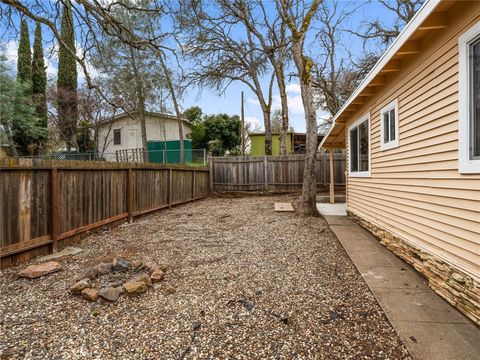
x,y
191,156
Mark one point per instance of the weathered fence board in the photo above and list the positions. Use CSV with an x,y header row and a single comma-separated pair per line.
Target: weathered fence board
x,y
271,173
43,203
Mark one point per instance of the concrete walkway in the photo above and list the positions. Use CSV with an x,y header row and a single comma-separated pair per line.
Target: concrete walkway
x,y
429,326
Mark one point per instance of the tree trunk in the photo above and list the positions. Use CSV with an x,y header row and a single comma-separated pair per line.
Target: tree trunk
x,y
308,202
175,105
141,106
283,98
8,131
268,131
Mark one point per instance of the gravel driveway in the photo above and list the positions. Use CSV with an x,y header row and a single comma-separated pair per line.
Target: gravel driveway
x,y
250,283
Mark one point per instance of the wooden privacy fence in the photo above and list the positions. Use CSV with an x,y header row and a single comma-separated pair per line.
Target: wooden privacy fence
x,y
48,205
271,173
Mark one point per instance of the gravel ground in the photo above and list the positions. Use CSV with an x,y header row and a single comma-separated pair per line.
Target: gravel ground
x,y
250,283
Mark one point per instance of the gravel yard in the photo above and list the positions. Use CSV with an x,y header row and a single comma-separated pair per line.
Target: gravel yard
x,y
250,283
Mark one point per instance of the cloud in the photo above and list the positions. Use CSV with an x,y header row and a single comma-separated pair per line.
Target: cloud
x,y
11,51
253,101
293,88
253,121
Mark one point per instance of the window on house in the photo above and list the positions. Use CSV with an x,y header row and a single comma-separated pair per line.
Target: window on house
x,y
389,125
475,100
117,137
359,148
469,101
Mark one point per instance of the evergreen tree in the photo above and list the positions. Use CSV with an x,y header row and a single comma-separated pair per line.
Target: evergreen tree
x,y
17,114
39,81
24,62
22,103
67,99
84,137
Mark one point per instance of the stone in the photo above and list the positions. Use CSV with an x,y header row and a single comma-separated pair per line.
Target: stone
x,y
67,252
135,288
169,289
121,264
104,268
111,293
35,271
80,286
156,276
137,264
90,273
90,294
143,277
151,267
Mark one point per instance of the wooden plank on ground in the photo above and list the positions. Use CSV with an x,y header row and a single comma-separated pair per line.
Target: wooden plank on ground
x,y
282,207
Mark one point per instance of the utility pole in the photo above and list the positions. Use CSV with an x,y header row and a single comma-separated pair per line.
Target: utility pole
x,y
242,130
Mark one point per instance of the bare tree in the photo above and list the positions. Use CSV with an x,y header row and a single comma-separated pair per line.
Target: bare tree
x,y
93,20
404,10
220,56
298,16
270,32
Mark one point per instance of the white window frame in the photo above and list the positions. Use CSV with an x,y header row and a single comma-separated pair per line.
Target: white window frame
x,y
465,164
390,144
364,117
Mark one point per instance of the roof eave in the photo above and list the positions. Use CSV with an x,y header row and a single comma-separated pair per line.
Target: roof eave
x,y
427,8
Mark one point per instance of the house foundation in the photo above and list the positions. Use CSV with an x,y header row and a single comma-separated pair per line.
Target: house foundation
x,y
454,285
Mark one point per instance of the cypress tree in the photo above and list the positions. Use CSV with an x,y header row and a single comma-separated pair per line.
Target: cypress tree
x,y
24,62
67,99
39,82
23,92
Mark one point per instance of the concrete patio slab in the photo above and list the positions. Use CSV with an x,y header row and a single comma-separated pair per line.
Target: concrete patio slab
x,y
339,209
430,327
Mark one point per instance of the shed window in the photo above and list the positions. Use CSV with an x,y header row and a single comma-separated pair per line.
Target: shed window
x,y
389,125
117,137
360,147
469,101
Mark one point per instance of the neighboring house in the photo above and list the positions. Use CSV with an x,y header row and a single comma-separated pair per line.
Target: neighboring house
x,y
295,143
412,135
124,133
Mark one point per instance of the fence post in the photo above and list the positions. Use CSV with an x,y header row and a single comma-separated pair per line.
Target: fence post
x,y
332,179
54,207
193,185
130,194
265,172
210,163
170,188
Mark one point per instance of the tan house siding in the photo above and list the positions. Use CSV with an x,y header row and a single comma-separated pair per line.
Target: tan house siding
x,y
415,190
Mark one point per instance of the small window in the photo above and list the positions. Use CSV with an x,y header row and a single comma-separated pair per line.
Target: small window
x,y
359,144
389,125
117,137
469,101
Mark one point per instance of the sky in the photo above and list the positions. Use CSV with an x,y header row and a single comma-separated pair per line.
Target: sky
x,y
229,102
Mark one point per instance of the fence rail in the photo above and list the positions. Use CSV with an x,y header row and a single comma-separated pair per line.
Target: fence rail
x,y
271,173
47,205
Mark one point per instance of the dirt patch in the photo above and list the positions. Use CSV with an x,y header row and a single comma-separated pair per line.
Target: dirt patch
x,y
249,283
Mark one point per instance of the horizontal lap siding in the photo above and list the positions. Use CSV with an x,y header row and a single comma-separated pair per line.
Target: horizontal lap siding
x,y
415,190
